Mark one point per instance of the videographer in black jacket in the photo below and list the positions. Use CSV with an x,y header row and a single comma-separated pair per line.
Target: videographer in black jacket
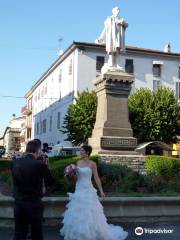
x,y
28,174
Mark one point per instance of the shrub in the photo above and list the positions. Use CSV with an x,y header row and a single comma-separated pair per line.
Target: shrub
x,y
156,183
133,182
5,165
58,165
120,178
6,177
174,185
161,166
58,158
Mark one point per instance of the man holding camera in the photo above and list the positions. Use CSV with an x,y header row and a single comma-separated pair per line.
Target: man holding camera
x,y
28,176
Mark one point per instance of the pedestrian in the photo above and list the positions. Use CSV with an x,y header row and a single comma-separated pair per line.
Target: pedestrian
x,y
28,174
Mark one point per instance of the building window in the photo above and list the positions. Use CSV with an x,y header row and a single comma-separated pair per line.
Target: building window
x,y
28,133
156,84
99,63
58,120
37,129
44,126
59,94
30,104
156,70
178,89
50,124
70,67
60,75
129,66
179,72
41,127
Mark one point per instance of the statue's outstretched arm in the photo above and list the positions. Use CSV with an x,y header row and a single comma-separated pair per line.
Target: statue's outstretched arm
x,y
100,39
123,23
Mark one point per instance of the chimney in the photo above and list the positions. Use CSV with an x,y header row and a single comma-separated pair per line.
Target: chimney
x,y
167,48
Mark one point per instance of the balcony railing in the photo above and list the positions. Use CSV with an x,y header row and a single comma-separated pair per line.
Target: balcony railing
x,y
26,111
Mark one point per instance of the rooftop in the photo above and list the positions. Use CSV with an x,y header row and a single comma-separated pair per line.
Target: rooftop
x,y
74,45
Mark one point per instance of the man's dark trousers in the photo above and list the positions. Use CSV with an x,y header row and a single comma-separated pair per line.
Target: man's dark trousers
x,y
28,213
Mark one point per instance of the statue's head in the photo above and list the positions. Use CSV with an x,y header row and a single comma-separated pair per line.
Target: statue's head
x,y
115,11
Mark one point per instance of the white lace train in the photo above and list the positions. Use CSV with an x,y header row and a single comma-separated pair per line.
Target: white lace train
x,y
84,218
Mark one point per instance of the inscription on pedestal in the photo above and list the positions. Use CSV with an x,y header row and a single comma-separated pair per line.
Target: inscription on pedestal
x,y
118,143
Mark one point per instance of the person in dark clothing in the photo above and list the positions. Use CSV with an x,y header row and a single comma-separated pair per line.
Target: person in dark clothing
x,y
43,155
28,174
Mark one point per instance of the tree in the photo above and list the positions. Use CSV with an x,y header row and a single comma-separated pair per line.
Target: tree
x,y
154,115
80,118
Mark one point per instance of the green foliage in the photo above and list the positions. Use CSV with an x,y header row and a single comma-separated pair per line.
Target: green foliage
x,y
155,115
132,182
174,184
80,118
119,178
5,165
156,183
6,177
5,171
161,166
57,166
115,178
60,158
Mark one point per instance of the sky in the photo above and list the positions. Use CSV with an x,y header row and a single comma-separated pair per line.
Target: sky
x,y
30,33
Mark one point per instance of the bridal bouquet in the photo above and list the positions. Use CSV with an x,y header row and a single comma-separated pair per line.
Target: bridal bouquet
x,y
70,170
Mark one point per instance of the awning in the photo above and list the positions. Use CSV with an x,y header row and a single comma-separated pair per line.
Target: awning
x,y
178,137
155,143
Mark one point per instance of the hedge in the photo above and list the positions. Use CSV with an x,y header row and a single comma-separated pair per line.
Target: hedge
x,y
162,166
162,175
57,166
5,165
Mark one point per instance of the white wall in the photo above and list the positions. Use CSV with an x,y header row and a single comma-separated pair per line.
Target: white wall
x,y
87,68
59,96
16,122
143,66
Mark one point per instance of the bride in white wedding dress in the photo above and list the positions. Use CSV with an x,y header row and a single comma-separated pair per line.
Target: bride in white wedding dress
x,y
84,218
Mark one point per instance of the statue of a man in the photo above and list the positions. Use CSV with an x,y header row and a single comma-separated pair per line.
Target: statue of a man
x,y
114,32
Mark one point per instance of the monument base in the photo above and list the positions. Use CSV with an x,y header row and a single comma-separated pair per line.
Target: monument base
x,y
135,162
112,133
113,145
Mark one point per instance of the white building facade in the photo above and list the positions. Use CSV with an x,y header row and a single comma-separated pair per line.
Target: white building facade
x,y
12,135
75,71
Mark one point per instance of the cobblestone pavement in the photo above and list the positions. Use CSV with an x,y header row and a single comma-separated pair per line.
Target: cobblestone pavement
x,y
51,233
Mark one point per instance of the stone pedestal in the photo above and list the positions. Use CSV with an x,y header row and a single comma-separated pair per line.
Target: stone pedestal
x,y
112,133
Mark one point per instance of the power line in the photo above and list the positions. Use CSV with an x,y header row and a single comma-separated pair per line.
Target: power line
x,y
3,96
29,48
11,96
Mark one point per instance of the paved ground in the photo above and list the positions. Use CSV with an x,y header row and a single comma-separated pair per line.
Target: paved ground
x,y
51,233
